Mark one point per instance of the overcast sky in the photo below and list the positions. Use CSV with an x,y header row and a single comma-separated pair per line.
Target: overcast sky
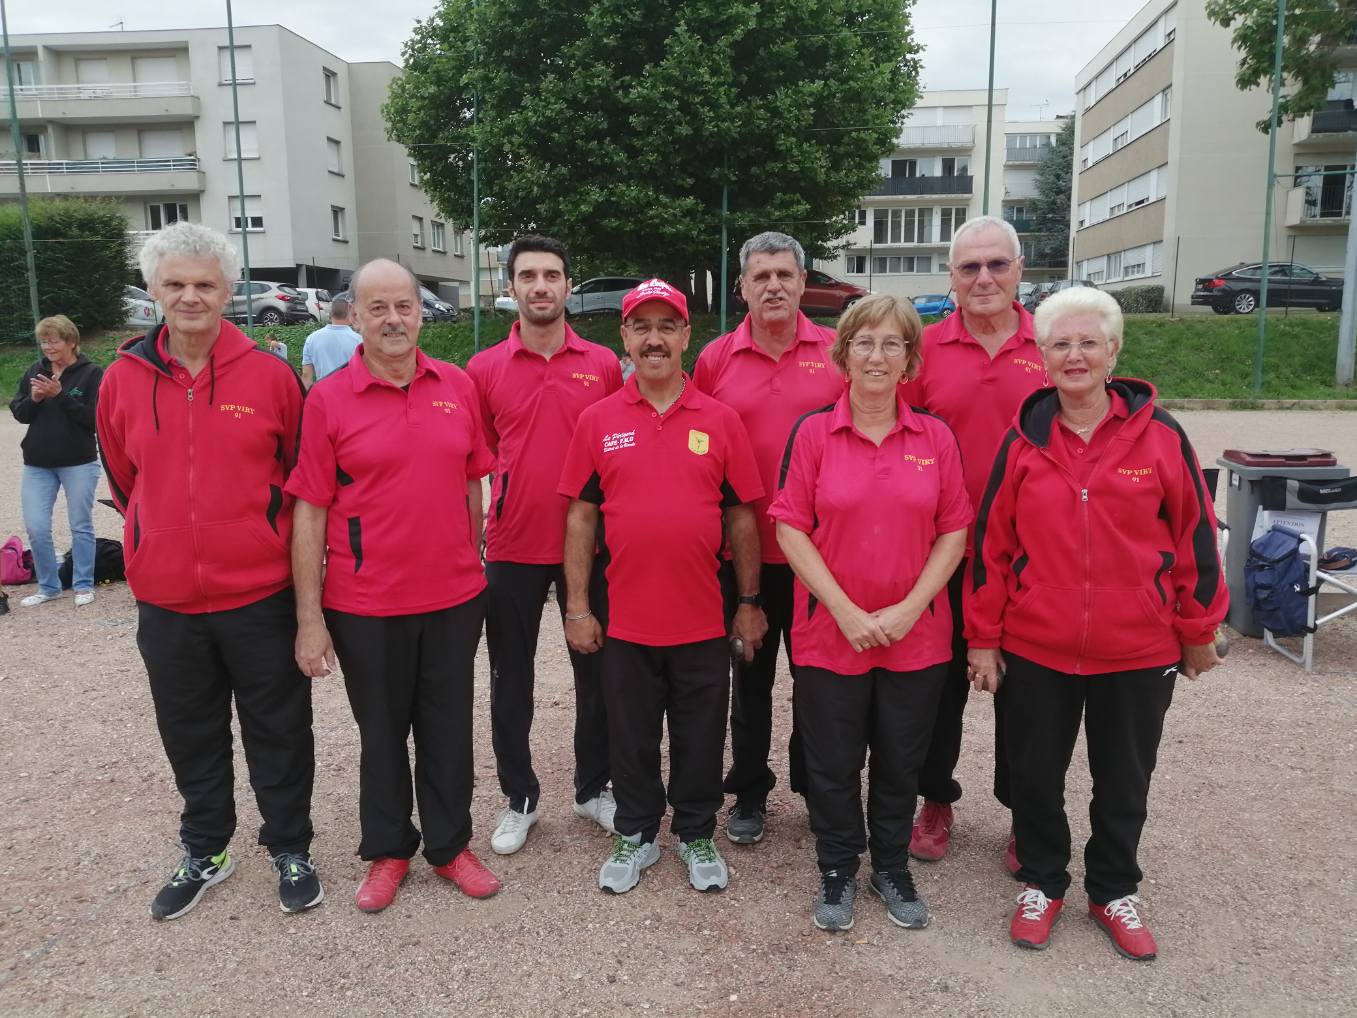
x,y
1041,43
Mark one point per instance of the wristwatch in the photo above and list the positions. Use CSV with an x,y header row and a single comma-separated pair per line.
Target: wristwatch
x,y
755,599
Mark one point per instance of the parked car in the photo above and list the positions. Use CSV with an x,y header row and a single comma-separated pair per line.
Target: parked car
x,y
1236,290
1044,290
271,303
436,309
317,303
142,310
824,295
600,295
939,304
506,303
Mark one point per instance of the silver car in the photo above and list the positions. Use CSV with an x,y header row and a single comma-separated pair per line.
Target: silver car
x,y
600,295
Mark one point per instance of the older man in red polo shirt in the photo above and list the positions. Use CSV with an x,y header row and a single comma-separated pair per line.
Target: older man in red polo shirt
x,y
388,487
772,369
655,471
978,366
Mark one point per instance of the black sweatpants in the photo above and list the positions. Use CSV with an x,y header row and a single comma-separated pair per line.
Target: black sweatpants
x,y
937,781
513,618
690,684
750,779
1123,716
842,716
196,665
414,673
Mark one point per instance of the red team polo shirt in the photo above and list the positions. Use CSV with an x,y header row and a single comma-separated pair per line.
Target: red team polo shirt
x,y
977,396
529,406
769,395
661,482
392,466
873,512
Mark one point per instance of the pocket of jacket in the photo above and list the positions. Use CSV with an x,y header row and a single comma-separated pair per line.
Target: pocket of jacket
x,y
160,566
238,555
1046,615
1126,624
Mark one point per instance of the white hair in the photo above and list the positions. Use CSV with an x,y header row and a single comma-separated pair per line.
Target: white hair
x,y
771,242
1080,300
984,223
188,240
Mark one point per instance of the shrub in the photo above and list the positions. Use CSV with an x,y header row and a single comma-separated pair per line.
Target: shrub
x,y
1139,299
81,256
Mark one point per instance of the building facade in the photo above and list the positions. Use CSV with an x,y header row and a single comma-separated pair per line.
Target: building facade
x,y
147,118
1169,167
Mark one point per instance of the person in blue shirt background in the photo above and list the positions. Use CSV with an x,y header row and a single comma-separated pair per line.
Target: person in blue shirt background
x,y
329,349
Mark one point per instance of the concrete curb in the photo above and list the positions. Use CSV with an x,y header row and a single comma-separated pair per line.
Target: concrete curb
x,y
1258,404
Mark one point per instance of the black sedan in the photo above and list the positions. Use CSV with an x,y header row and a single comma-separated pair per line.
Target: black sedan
x,y
1237,290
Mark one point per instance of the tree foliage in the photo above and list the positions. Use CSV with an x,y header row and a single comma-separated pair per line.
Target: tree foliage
x,y
81,256
609,124
1051,209
1313,31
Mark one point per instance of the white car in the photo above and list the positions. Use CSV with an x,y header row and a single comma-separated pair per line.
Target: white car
x,y
506,303
317,302
142,310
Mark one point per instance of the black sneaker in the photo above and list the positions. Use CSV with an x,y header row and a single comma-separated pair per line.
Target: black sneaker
x,y
834,903
903,904
298,886
744,823
191,878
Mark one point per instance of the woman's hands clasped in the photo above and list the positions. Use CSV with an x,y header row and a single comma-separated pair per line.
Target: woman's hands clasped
x,y
985,668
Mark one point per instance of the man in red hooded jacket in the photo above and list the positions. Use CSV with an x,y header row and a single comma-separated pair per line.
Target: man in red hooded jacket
x,y
198,430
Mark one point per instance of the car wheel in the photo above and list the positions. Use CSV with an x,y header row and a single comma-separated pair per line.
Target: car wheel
x,y
270,316
849,303
1245,302
1331,307
1222,309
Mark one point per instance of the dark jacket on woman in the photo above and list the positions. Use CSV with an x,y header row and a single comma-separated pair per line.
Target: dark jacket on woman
x,y
60,428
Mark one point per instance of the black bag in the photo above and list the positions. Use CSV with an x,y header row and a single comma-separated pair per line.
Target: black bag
x,y
1275,579
108,563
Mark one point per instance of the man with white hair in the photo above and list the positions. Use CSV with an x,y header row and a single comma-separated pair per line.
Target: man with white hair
x,y
978,366
198,433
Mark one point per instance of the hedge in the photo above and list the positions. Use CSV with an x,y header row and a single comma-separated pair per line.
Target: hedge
x,y
1139,299
82,259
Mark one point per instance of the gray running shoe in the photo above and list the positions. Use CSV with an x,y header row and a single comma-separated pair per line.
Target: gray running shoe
x,y
706,869
903,904
834,903
622,869
744,823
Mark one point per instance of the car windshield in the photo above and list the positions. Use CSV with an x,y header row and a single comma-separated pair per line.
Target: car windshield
x,y
291,291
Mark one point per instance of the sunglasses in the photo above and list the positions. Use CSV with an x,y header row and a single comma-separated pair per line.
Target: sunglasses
x,y
996,266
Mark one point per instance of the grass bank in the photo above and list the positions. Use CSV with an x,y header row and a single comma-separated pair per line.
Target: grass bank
x,y
1192,357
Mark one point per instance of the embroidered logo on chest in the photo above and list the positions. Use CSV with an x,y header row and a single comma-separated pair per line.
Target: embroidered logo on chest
x,y
445,405
1031,367
236,410
919,462
1135,473
698,442
619,440
811,367
585,379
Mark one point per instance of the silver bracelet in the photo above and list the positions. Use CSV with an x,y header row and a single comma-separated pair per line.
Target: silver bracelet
x,y
577,618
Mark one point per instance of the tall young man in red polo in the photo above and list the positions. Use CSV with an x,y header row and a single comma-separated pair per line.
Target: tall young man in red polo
x,y
979,365
533,387
655,471
771,370
198,431
388,488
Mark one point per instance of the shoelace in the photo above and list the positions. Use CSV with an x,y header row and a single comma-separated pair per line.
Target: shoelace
x,y
834,884
933,822
192,869
1123,910
702,850
902,881
624,849
513,821
293,866
1033,904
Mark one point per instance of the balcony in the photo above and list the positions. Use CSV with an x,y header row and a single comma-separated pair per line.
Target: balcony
x,y
1027,155
1333,126
108,103
910,187
938,136
1309,209
104,176
1021,225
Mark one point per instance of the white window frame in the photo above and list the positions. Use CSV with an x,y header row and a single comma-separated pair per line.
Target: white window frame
x,y
458,242
244,65
249,139
438,236
254,210
330,86
338,225
414,173
334,156
417,232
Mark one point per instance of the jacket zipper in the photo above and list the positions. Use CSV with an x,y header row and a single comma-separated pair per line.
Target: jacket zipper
x,y
193,502
1087,620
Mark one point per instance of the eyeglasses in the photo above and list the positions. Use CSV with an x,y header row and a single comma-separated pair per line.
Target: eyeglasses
x,y
1062,347
996,266
864,348
667,328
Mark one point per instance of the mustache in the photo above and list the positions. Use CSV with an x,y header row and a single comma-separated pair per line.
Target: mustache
x,y
647,350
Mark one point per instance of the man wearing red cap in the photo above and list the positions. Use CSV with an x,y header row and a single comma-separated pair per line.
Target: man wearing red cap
x,y
655,471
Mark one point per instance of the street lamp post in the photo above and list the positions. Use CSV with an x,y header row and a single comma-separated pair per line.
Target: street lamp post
x,y
240,169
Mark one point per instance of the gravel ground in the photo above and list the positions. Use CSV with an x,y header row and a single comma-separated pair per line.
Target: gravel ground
x,y
1250,864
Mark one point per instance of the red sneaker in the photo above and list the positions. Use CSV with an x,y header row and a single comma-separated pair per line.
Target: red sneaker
x,y
1032,922
932,832
1121,921
1011,854
470,875
378,889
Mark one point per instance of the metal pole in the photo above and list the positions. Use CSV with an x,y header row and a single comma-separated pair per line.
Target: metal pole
x,y
725,237
1177,250
240,170
1347,321
1267,198
989,104
17,136
476,206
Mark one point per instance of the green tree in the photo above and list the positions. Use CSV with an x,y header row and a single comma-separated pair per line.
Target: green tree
x,y
1313,32
613,125
1051,209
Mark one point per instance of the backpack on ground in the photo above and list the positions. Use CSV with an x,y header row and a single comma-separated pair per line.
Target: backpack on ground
x,y
1276,578
108,563
16,562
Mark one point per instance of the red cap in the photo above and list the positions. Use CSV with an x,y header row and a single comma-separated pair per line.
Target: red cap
x,y
655,289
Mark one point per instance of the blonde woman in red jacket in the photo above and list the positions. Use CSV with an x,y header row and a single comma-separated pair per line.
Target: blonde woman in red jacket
x,y
1094,584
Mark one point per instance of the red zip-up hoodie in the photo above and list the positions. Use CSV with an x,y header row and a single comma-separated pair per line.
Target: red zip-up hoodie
x,y
1106,576
197,467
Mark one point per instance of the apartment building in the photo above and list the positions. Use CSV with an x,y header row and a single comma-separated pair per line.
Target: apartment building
x,y
1169,168
146,118
933,182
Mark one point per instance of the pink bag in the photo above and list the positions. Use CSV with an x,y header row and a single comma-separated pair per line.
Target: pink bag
x,y
16,562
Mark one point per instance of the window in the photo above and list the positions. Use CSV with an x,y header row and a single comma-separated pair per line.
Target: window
x,y
161,214
959,166
249,139
1114,265
25,73
1133,194
894,265
1144,46
855,265
92,71
155,69
161,144
337,231
32,144
1141,121
414,173
861,217
904,167
244,73
949,219
1132,263
331,86
1138,190
437,238
417,231
1342,87
254,213
100,145
334,156
458,243
886,226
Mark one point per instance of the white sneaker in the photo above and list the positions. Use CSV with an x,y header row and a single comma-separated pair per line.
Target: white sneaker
x,y
621,871
84,597
601,809
511,833
33,600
